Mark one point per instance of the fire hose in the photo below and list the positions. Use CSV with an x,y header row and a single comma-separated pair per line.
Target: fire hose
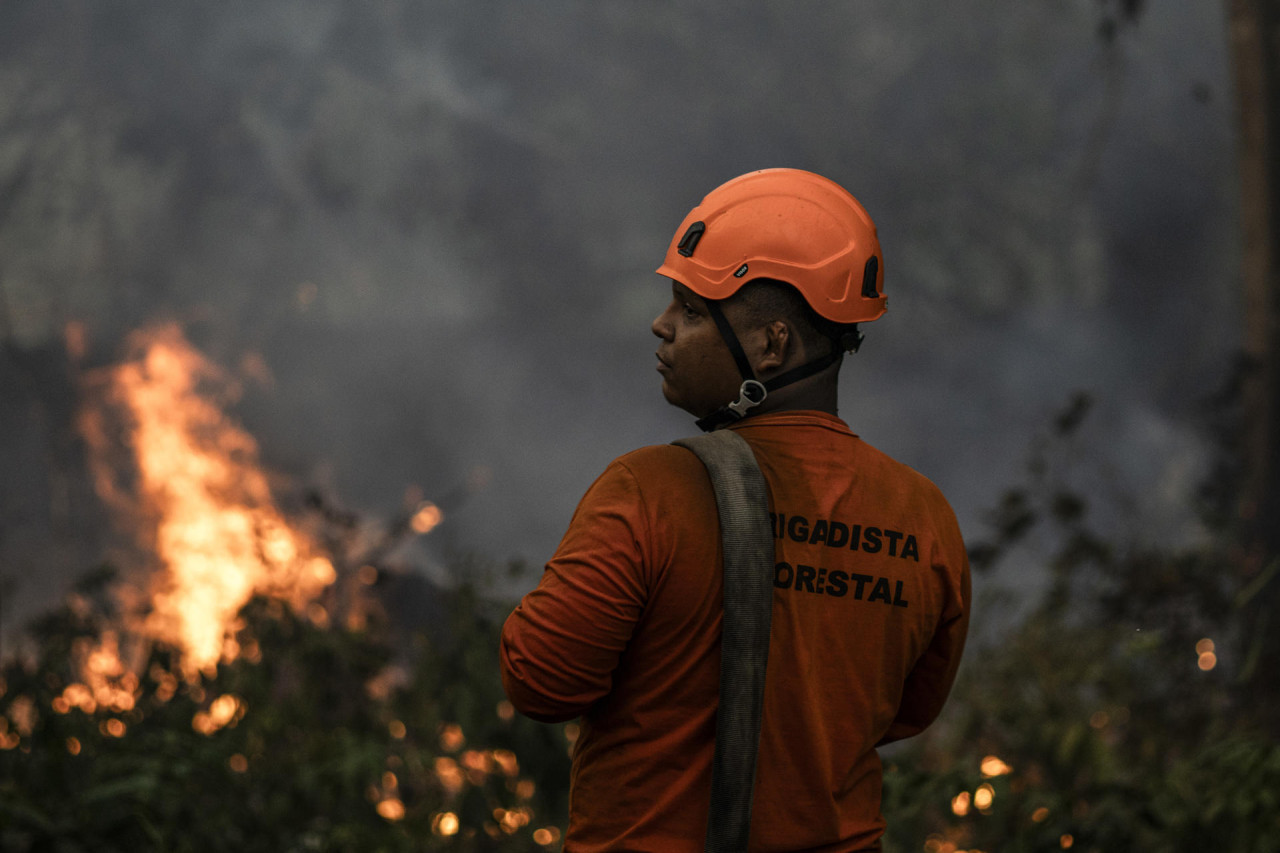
x,y
742,502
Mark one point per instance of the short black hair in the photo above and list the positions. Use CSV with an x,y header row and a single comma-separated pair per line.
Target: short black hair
x,y
768,299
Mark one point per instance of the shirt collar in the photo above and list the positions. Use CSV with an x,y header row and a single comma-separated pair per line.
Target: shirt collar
x,y
794,418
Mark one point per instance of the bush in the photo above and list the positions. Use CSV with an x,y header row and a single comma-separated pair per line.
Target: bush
x,y
314,738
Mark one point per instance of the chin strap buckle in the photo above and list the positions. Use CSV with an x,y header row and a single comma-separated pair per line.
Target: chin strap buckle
x,y
750,395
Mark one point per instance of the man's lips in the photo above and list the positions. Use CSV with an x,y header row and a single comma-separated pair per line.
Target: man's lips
x,y
663,364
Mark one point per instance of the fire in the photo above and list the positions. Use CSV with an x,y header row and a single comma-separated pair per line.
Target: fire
x,y
217,533
107,683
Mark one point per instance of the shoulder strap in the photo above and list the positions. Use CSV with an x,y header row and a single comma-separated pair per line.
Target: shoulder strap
x,y
742,500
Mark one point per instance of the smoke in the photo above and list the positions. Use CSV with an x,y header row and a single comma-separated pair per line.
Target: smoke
x,y
435,225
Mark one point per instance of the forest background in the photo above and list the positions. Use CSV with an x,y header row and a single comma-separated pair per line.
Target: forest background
x,y
419,238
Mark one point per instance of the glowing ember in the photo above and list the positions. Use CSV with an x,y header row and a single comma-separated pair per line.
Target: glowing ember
x,y
445,823
391,808
1206,658
983,796
475,760
22,711
223,711
426,518
217,533
511,820
546,836
112,727
506,759
992,766
449,775
451,737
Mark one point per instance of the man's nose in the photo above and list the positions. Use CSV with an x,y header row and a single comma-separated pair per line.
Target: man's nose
x,y
662,326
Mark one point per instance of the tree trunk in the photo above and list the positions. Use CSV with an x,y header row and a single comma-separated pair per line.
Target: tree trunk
x,y
1255,52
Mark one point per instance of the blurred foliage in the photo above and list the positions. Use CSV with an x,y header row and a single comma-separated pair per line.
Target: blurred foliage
x,y
1114,716
334,739
1111,716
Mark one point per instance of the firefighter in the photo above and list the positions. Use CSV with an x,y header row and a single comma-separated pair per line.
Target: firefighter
x,y
770,276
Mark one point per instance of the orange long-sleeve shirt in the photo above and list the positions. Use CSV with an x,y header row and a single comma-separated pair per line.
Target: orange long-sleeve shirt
x,y
870,610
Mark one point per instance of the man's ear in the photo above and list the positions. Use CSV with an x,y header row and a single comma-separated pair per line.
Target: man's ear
x,y
778,345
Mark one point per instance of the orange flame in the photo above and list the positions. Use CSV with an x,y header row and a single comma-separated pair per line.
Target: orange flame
x,y
218,534
107,683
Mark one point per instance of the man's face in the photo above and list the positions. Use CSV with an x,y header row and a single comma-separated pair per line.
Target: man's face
x,y
698,372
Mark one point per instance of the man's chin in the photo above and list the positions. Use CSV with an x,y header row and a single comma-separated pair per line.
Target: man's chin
x,y
675,401
673,397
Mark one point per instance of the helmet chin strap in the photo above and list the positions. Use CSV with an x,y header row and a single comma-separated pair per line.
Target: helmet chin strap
x,y
753,392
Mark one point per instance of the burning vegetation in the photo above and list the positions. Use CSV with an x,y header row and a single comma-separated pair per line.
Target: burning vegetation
x,y
240,682
249,679
197,495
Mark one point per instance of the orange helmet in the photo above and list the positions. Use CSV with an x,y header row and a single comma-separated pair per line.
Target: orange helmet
x,y
789,225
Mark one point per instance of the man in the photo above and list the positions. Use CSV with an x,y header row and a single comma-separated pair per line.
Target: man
x,y
770,275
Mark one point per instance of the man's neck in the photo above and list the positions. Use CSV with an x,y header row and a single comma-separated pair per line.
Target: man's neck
x,y
821,398
817,393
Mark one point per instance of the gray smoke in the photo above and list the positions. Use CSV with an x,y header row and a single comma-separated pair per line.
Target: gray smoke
x,y
437,222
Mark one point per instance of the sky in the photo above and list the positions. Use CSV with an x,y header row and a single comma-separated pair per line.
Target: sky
x,y
435,224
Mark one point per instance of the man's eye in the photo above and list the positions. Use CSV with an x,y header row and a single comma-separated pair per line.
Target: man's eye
x,y
689,310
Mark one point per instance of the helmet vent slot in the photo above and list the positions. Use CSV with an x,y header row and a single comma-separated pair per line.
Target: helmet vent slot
x,y
869,274
689,241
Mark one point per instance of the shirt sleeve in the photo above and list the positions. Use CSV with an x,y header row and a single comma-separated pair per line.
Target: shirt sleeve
x,y
929,682
561,644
